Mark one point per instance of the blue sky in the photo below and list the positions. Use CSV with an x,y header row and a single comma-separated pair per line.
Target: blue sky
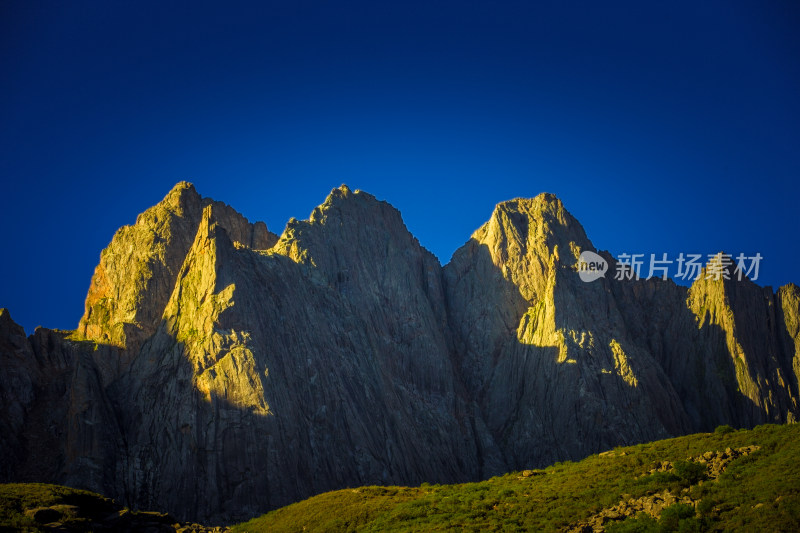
x,y
663,126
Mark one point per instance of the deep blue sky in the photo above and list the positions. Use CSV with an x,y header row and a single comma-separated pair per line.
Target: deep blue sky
x,y
663,126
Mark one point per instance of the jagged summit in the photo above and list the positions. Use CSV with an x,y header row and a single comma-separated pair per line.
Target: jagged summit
x,y
541,224
182,187
232,371
542,202
342,202
138,269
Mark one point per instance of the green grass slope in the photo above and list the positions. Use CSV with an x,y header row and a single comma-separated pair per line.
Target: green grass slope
x,y
39,507
756,492
20,501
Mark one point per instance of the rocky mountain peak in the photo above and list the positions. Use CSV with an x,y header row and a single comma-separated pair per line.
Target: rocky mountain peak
x,y
138,269
343,205
357,242
182,196
233,371
750,326
527,241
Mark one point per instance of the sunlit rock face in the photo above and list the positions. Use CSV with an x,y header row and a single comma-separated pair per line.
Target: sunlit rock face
x,y
318,364
220,370
553,362
138,270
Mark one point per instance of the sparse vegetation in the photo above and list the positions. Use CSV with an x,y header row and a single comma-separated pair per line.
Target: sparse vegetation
x,y
34,507
17,498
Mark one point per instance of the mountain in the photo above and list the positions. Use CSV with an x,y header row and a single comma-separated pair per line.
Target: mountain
x,y
220,370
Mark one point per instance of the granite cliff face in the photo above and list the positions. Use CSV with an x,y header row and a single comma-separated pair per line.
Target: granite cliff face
x,y
548,358
138,270
220,370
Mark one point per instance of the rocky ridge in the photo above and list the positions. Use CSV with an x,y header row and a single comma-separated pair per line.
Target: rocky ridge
x,y
221,370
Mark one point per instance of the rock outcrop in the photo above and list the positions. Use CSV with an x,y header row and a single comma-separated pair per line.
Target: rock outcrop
x,y
220,370
653,504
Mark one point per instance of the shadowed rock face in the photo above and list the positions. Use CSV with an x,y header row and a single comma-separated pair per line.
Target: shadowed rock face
x,y
220,370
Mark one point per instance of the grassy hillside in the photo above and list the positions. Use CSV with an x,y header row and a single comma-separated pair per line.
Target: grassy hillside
x,y
39,507
638,488
723,481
